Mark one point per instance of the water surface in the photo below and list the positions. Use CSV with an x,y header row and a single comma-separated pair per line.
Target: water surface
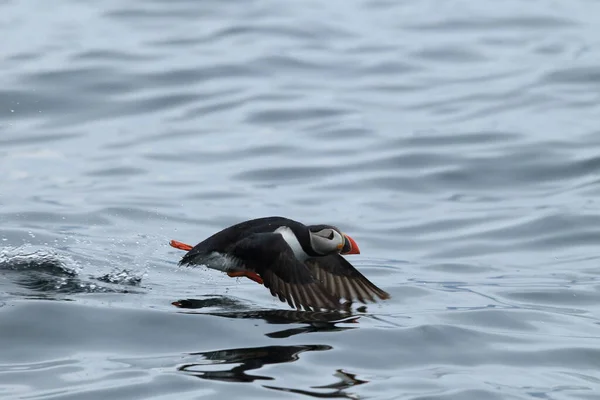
x,y
457,142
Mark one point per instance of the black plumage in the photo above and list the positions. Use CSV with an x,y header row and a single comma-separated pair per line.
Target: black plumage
x,y
295,272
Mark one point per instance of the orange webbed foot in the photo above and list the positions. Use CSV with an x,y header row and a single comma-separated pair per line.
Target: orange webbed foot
x,y
248,274
180,246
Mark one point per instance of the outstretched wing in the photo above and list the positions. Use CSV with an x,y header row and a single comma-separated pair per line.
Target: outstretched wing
x,y
342,280
269,255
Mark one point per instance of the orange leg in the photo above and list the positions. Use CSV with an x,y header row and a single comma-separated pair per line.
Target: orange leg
x,y
180,246
248,274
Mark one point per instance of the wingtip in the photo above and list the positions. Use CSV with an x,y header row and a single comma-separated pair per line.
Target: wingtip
x,y
385,296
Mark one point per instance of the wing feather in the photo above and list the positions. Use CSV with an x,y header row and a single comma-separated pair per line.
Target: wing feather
x,y
269,255
343,280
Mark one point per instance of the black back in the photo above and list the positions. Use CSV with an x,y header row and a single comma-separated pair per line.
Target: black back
x,y
226,239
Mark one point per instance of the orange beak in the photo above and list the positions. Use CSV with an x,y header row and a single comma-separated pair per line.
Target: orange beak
x,y
350,246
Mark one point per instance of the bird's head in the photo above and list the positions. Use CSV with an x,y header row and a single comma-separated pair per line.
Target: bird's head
x,y
327,239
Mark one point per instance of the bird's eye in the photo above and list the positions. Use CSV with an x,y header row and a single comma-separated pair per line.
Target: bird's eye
x,y
330,236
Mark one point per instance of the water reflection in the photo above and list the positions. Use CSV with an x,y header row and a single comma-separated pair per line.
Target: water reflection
x,y
345,381
313,321
244,359
231,365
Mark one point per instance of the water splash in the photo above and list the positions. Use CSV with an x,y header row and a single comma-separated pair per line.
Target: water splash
x,y
122,277
48,272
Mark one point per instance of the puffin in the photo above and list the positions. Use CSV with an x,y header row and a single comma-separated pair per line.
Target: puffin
x,y
300,264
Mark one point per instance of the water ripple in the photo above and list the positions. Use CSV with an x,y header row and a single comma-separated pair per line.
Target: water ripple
x,y
456,142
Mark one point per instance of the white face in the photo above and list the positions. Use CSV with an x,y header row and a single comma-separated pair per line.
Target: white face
x,y
326,241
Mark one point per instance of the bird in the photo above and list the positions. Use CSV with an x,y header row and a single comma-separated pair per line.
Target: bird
x,y
300,264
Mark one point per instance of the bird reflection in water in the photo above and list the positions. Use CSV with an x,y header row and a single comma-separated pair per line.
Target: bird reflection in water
x,y
246,359
346,380
314,321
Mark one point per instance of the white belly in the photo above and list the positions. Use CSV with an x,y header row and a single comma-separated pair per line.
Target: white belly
x,y
221,262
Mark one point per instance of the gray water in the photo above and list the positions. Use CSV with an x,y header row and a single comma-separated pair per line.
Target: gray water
x,y
457,141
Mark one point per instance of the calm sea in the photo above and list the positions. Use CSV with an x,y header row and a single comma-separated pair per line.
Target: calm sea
x,y
457,141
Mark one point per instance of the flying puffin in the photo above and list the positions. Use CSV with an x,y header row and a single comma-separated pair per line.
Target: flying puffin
x,y
300,264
